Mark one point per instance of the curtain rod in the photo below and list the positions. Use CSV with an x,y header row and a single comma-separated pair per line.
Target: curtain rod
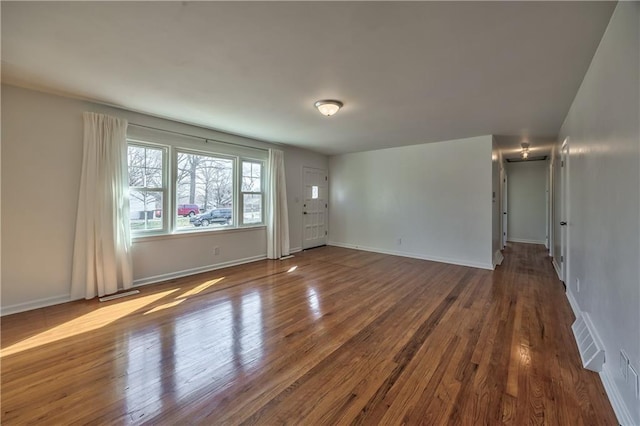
x,y
206,140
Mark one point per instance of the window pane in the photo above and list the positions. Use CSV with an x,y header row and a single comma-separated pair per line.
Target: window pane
x,y
145,210
252,204
246,168
251,176
206,182
145,167
136,175
153,178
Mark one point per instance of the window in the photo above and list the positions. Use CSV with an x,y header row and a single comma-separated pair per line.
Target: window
x,y
251,188
205,181
147,188
175,188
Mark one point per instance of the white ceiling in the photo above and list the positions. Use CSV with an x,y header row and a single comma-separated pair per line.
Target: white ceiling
x,y
407,72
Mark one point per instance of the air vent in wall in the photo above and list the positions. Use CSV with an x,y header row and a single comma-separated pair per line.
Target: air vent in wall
x,y
591,349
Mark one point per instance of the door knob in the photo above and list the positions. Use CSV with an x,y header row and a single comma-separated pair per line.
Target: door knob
x,y
304,212
563,223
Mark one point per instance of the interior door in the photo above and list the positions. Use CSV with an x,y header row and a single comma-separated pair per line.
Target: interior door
x,y
314,209
564,210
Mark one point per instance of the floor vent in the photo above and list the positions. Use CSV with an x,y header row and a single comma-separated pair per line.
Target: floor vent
x,y
591,349
119,295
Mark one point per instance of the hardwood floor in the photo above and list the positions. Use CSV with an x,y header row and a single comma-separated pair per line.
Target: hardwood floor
x,y
332,336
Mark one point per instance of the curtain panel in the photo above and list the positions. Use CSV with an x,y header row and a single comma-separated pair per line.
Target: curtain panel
x,y
277,212
102,251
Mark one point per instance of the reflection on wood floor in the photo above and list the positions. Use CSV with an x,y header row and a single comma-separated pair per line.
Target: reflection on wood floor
x,y
331,336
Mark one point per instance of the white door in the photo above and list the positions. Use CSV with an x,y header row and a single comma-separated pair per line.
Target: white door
x,y
564,210
504,209
314,209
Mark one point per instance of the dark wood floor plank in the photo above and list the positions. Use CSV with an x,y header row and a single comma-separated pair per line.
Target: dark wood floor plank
x,y
331,336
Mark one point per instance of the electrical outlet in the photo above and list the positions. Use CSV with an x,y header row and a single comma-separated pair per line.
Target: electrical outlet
x,y
216,251
624,366
633,379
578,284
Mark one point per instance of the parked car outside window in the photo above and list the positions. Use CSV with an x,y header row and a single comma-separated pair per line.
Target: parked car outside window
x,y
188,210
221,216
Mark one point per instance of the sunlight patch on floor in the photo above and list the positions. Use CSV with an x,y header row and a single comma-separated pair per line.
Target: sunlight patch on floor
x,y
94,320
202,287
184,296
165,306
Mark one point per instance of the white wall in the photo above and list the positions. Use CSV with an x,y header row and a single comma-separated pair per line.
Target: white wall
x,y
41,165
429,201
527,195
604,201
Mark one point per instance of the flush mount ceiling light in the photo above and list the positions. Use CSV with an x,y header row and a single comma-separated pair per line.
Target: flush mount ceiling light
x,y
525,150
328,107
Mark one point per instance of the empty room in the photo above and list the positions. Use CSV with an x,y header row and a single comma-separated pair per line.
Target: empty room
x,y
318,212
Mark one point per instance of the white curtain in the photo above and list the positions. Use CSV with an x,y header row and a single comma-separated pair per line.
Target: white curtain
x,y
277,213
102,250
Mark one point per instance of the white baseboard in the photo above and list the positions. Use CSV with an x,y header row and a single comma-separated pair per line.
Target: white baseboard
x,y
526,241
56,300
619,407
35,304
573,302
186,272
557,268
497,258
460,262
295,249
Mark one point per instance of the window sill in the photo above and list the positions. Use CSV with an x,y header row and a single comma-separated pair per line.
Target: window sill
x,y
189,234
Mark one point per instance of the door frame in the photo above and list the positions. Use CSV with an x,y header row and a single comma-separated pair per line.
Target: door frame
x,y
564,211
326,210
504,208
550,207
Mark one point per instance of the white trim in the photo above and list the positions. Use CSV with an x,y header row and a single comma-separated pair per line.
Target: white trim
x,y
186,272
557,268
573,302
295,250
497,258
526,241
460,262
35,304
201,233
619,407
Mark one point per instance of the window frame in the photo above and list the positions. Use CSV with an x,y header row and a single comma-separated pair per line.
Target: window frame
x,y
170,152
164,190
263,191
174,178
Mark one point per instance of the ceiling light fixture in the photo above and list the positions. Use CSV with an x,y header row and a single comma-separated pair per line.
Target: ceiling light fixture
x,y
328,107
525,150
